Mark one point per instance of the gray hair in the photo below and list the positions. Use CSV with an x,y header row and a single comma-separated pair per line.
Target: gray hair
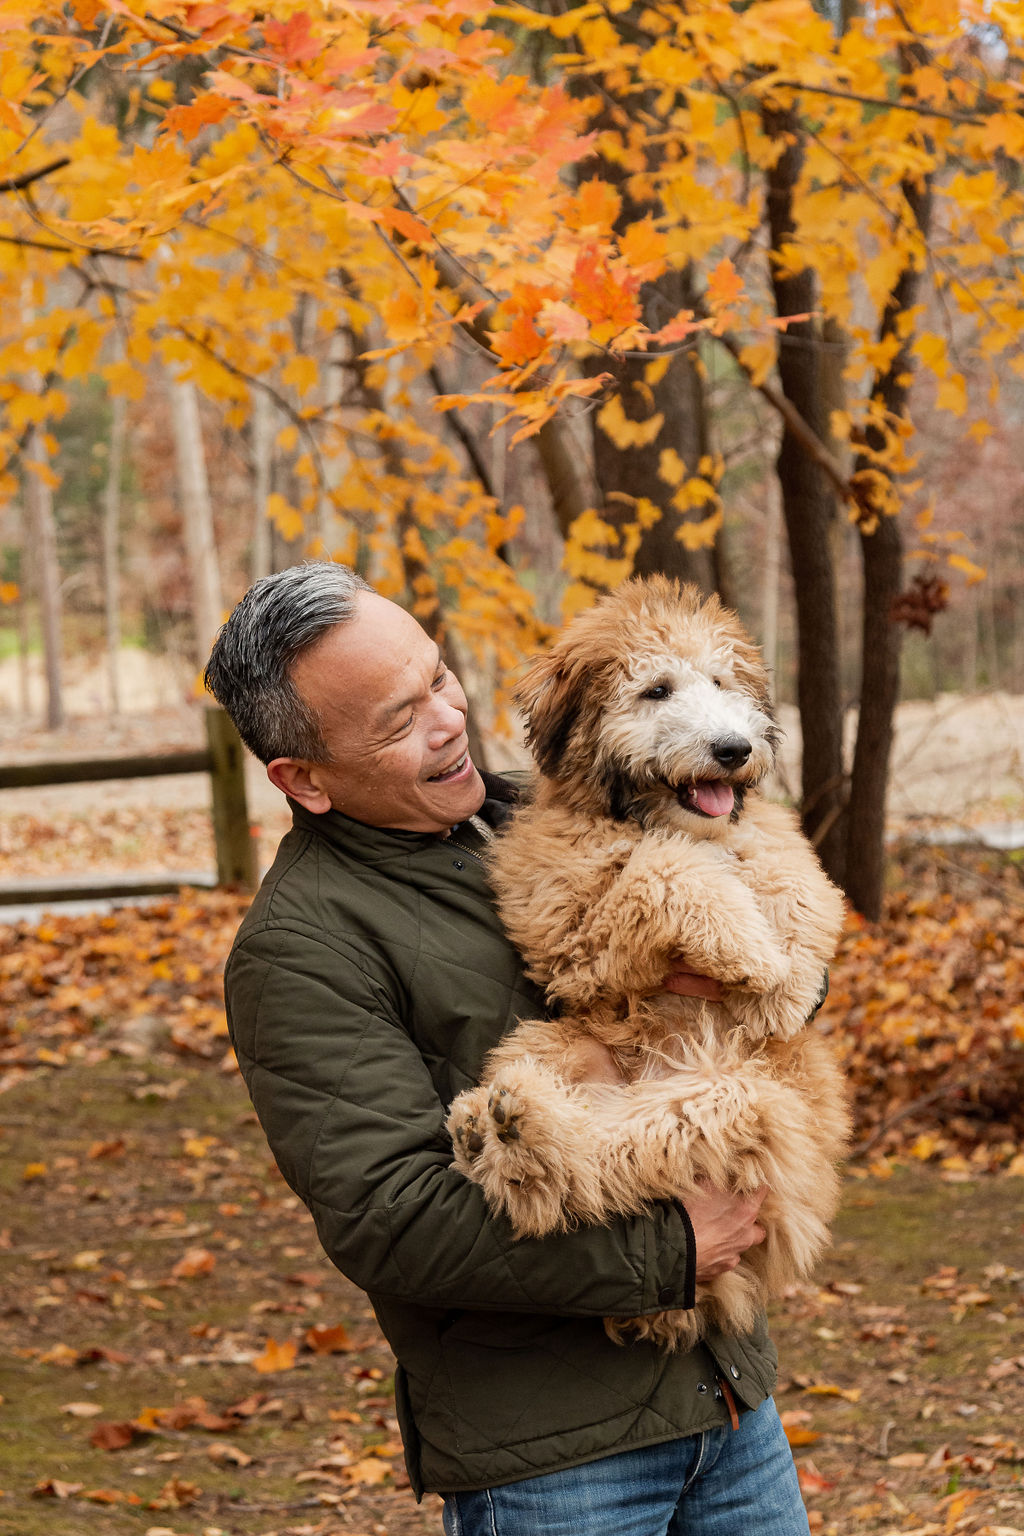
x,y
249,671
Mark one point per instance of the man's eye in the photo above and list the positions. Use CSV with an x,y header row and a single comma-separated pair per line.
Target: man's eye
x,y
441,678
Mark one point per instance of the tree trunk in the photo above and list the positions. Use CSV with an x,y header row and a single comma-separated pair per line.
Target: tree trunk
x,y
261,422
197,514
881,638
625,475
111,551
809,510
43,534
630,473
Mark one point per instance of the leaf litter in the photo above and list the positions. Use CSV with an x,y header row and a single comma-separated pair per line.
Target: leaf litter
x,y
176,1258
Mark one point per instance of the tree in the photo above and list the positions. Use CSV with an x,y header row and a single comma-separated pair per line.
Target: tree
x,y
578,245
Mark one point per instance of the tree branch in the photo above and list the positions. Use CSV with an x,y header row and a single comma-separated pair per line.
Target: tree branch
x,y
15,183
804,434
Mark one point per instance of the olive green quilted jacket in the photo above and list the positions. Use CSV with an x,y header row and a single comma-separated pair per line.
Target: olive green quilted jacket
x,y
366,984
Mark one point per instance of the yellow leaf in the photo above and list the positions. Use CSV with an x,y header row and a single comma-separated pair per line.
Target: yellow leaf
x,y
8,591
34,1171
288,520
624,433
827,1389
700,535
656,370
671,468
301,372
974,573
758,358
952,394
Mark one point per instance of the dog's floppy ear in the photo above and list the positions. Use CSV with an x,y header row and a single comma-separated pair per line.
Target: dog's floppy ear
x,y
748,663
552,696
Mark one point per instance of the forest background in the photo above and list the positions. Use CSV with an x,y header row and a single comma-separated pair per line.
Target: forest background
x,y
503,303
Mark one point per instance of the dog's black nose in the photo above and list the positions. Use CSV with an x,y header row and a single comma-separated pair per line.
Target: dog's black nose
x,y
731,751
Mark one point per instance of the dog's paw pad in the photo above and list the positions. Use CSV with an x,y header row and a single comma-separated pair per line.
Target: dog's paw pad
x,y
468,1137
506,1113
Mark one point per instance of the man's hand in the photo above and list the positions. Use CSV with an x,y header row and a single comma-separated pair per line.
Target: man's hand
x,y
687,983
724,1227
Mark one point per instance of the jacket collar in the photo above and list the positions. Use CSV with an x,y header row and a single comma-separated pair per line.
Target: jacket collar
x,y
377,844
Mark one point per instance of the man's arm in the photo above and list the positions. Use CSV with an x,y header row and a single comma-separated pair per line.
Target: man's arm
x,y
357,1128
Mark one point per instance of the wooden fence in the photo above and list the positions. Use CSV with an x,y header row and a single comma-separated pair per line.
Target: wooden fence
x,y
223,760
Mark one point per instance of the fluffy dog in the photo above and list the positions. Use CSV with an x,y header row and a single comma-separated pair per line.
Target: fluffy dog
x,y
646,841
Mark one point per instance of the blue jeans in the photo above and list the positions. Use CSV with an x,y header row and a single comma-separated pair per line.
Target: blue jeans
x,y
723,1482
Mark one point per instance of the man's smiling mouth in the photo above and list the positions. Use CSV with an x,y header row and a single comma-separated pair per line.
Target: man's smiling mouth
x,y
449,773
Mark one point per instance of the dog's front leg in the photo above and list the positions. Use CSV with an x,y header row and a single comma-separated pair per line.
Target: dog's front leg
x,y
668,903
532,1140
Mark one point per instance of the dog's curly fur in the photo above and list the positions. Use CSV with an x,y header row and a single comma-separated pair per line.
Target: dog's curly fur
x,y
646,842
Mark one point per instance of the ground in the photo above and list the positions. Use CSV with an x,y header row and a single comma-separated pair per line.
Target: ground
x,y
156,1271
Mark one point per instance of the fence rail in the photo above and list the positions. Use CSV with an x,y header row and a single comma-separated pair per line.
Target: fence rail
x,y
223,760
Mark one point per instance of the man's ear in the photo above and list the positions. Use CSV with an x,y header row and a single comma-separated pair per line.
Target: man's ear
x,y
295,778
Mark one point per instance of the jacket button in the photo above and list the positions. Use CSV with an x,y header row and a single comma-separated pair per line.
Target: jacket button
x,y
701,1386
734,1373
458,864
666,1296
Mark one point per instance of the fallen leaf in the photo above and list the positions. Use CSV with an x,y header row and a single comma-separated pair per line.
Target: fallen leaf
x,y
81,1410
196,1261
811,1480
277,1357
329,1341
225,1454
827,1389
60,1354
109,1496
53,1488
114,1436
370,1470
175,1494
908,1459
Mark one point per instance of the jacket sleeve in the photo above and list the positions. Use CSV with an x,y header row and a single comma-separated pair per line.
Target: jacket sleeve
x,y
357,1129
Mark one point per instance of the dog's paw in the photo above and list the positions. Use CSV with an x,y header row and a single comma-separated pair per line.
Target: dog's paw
x,y
466,1125
507,1110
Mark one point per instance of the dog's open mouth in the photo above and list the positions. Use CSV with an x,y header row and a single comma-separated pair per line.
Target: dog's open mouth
x,y
707,797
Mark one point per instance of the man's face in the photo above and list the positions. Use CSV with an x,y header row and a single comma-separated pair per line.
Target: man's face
x,y
394,719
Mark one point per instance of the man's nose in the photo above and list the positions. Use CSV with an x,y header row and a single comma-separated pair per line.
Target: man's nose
x,y
449,721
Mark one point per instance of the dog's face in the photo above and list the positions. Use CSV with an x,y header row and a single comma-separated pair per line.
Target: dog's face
x,y
653,706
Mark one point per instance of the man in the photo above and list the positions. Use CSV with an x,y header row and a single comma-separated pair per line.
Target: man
x,y
365,986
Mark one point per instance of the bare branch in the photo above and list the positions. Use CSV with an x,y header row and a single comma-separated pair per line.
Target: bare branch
x,y
15,183
804,434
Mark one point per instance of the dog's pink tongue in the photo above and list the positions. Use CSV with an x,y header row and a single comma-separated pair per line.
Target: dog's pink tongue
x,y
713,797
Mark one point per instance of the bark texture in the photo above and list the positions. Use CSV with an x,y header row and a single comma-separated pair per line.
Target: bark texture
x,y
809,509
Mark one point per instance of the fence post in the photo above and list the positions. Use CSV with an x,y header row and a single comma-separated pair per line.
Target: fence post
x,y
236,847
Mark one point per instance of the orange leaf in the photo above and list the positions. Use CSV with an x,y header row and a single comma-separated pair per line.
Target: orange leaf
x,y
811,1480
725,286
329,1341
277,1357
372,1470
197,1261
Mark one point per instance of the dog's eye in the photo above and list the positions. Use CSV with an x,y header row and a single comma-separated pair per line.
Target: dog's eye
x,y
717,682
659,691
